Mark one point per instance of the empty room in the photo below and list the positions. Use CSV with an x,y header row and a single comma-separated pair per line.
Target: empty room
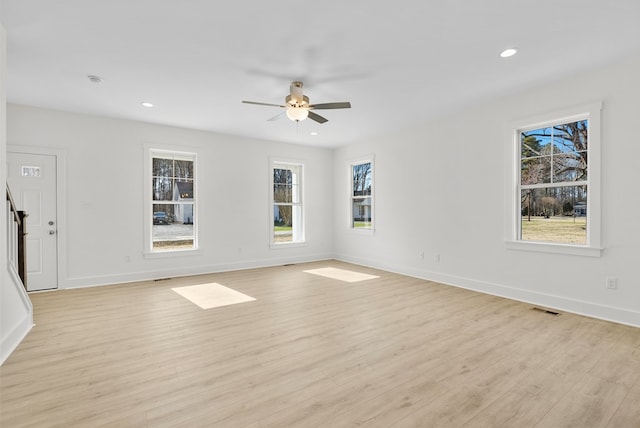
x,y
338,214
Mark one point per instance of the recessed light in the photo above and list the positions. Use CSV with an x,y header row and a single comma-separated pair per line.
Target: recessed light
x,y
146,104
508,52
313,133
95,79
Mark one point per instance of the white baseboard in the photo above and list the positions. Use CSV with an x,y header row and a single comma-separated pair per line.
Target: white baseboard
x,y
91,281
15,336
562,304
10,341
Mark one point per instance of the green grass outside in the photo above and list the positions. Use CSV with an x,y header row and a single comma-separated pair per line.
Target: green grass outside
x,y
563,230
281,228
362,225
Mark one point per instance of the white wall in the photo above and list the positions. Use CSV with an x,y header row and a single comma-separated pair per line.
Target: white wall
x,y
16,312
440,189
103,212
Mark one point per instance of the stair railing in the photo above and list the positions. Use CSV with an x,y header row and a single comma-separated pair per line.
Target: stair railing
x,y
16,238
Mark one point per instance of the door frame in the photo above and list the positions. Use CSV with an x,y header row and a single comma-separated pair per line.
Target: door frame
x,y
61,211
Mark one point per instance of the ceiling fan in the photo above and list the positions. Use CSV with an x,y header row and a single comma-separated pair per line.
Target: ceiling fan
x,y
298,108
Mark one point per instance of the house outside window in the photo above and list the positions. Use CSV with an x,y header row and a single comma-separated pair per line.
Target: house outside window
x,y
173,201
287,203
361,203
556,203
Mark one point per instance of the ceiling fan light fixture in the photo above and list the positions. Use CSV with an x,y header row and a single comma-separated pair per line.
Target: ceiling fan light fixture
x,y
297,113
297,106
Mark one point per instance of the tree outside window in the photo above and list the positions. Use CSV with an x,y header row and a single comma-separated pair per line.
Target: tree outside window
x,y
361,195
288,224
554,183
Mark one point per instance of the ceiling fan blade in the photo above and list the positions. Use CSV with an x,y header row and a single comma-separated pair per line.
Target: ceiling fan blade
x,y
317,117
276,117
263,104
328,106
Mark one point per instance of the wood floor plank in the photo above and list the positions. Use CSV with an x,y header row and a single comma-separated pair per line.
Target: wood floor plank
x,y
628,413
591,402
526,403
314,351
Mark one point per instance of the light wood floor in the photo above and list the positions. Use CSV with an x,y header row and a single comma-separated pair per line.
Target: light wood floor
x,y
316,352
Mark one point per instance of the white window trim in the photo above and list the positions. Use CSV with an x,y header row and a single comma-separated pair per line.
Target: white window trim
x,y
351,163
303,241
149,151
593,248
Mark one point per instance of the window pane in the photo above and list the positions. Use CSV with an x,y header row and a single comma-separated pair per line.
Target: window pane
x,y
361,179
536,142
529,145
282,176
185,190
554,214
361,209
571,137
535,170
162,189
282,193
162,167
282,185
282,223
173,227
183,169
569,167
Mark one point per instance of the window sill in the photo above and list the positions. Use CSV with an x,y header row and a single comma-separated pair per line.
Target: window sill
x,y
282,245
172,253
545,247
362,231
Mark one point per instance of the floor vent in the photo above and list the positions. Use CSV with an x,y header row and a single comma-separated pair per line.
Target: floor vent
x,y
161,279
289,264
546,311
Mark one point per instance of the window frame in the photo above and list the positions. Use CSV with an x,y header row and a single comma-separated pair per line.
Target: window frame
x,y
593,247
151,152
359,161
283,164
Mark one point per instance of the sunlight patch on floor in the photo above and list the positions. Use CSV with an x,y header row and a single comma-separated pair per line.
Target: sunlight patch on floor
x,y
341,274
212,295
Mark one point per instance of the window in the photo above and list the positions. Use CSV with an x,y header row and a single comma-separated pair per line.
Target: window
x,y
362,195
286,208
172,216
30,171
557,181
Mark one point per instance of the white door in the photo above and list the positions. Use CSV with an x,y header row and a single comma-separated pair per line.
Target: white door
x,y
32,180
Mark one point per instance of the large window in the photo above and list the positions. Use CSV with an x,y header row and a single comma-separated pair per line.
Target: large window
x,y
286,209
362,195
173,201
557,181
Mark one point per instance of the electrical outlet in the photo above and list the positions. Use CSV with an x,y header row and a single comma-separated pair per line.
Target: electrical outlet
x,y
612,283
436,258
421,254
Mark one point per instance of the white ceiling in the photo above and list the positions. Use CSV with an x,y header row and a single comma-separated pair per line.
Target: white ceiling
x,y
398,62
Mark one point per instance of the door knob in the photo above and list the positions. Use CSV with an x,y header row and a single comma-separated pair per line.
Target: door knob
x,y
52,232
50,222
